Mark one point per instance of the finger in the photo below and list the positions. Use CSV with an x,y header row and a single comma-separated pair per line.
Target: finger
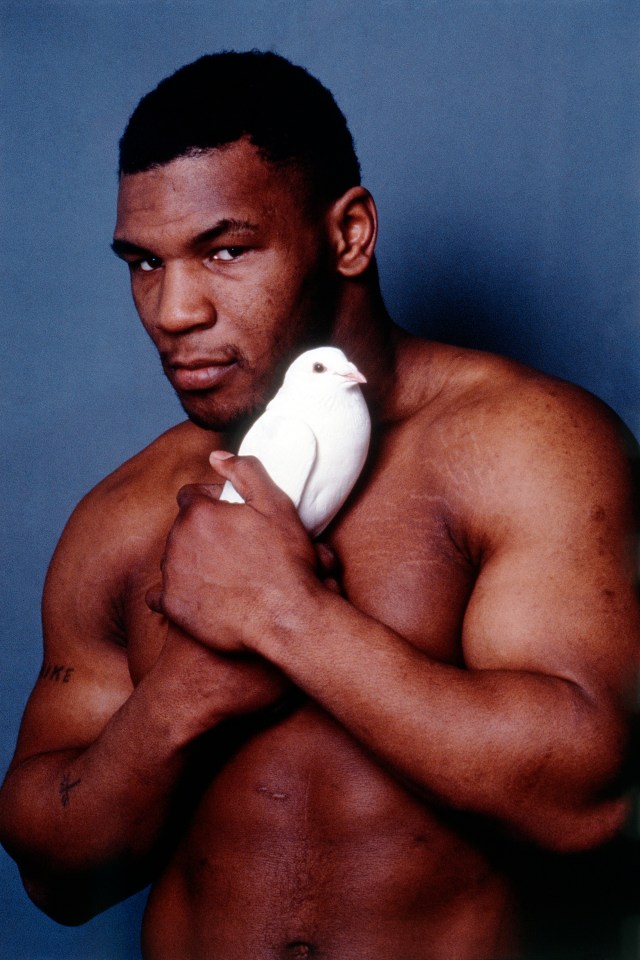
x,y
332,584
326,559
153,599
251,481
191,491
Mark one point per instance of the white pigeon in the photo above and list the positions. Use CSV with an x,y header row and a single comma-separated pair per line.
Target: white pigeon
x,y
313,437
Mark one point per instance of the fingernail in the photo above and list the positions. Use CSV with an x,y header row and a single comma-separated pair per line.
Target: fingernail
x,y
221,454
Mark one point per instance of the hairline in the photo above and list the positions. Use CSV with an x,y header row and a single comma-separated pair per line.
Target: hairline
x,y
314,202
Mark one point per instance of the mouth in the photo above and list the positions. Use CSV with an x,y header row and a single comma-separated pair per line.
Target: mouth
x,y
190,376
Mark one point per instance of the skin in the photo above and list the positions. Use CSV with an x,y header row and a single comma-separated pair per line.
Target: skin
x,y
317,752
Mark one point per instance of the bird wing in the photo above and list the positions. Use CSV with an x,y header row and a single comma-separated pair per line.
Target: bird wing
x,y
286,447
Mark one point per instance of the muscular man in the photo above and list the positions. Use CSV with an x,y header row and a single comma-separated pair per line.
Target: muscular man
x,y
320,750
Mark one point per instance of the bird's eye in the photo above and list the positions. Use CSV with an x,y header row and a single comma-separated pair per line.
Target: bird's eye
x,y
319,368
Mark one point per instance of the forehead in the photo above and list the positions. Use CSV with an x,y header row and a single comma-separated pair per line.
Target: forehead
x,y
190,194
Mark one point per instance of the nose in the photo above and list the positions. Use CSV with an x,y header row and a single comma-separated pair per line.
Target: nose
x,y
185,301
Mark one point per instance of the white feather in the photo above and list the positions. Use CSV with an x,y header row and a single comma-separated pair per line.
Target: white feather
x,y
313,437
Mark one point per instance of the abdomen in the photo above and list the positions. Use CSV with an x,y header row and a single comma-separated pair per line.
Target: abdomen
x,y
304,847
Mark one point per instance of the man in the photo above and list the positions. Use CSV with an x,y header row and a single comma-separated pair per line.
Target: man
x,y
320,750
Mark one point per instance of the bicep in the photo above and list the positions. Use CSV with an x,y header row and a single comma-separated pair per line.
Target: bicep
x,y
556,593
72,701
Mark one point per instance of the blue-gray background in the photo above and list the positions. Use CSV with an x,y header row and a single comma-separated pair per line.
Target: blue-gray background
x,y
500,138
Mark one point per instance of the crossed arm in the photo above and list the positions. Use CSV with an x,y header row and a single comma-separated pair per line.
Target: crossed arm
x,y
530,733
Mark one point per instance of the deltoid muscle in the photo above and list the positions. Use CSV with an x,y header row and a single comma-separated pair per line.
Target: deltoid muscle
x,y
313,437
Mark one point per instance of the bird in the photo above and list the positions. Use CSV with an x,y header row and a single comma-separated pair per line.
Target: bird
x,y
313,436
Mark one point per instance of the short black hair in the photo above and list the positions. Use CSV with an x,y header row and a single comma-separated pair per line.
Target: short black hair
x,y
289,116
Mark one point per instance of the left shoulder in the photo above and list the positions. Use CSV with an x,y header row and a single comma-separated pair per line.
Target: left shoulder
x,y
548,430
515,409
542,453
511,440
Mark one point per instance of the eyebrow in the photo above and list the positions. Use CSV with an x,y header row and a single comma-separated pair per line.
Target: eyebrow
x,y
123,247
222,227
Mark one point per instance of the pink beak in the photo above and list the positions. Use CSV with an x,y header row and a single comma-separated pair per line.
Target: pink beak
x,y
353,375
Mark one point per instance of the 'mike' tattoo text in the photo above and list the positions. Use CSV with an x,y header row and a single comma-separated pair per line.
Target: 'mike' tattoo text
x,y
65,789
60,674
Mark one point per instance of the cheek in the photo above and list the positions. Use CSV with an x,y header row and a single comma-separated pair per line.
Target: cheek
x,y
269,312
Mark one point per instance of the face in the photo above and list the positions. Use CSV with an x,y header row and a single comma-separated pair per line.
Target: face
x,y
230,275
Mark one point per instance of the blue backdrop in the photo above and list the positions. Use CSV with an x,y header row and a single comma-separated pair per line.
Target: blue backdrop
x,y
500,139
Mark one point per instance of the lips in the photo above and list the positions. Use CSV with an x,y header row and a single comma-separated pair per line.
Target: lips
x,y
202,374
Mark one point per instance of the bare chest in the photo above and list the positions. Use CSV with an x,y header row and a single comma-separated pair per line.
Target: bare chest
x,y
398,560
401,563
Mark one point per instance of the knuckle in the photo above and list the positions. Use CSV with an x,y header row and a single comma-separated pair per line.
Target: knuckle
x,y
248,466
171,607
155,600
171,597
196,509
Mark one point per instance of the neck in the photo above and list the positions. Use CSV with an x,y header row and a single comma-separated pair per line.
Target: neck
x,y
369,338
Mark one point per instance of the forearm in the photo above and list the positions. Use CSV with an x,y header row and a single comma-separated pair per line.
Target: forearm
x,y
72,815
99,816
531,750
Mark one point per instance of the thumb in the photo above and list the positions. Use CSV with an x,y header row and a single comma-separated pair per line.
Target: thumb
x,y
250,480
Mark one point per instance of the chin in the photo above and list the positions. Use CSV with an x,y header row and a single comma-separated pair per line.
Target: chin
x,y
231,410
219,420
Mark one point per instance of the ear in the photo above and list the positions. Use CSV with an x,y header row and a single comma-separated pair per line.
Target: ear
x,y
353,228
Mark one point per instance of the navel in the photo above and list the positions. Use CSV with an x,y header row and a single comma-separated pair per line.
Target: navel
x,y
299,950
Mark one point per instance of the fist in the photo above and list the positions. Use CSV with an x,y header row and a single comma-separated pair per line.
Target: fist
x,y
231,569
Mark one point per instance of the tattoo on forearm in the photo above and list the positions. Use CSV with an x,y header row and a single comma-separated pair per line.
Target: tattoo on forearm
x,y
51,671
65,789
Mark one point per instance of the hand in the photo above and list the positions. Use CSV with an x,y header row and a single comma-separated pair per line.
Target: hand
x,y
231,569
328,567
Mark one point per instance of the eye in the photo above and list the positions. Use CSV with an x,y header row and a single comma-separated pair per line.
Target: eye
x,y
319,368
146,265
226,254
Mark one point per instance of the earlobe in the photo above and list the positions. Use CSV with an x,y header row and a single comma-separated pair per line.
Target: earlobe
x,y
354,228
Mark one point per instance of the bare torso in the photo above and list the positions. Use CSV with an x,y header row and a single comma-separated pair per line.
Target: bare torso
x,y
302,847
301,844
451,730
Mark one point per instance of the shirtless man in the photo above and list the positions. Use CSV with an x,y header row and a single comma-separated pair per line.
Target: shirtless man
x,y
320,751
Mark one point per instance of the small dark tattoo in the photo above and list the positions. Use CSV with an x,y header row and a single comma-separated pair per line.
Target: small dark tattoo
x,y
65,789
53,671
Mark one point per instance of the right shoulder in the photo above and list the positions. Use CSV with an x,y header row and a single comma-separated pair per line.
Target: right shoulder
x,y
138,494
127,515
